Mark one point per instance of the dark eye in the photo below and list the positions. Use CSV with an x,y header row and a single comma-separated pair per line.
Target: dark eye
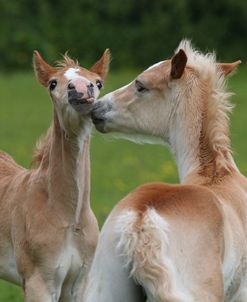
x,y
99,84
53,85
140,86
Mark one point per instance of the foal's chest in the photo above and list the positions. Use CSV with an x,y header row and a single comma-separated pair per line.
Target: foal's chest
x,y
70,261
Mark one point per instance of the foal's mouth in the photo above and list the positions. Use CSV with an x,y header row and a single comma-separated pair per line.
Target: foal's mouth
x,y
84,105
79,102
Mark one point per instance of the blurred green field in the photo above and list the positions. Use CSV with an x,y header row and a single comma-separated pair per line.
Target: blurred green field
x,y
117,166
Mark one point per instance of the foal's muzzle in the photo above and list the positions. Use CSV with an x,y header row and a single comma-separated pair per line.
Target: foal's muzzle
x,y
98,115
81,102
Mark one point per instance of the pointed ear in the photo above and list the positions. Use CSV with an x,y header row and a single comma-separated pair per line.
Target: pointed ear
x,y
102,66
178,64
227,68
43,71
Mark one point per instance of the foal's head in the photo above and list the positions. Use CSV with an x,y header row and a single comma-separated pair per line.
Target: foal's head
x,y
73,89
170,92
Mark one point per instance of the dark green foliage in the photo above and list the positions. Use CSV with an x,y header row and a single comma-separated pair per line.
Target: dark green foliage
x,y
137,32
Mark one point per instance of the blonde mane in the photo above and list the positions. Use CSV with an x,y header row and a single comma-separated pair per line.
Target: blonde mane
x,y
215,126
42,149
67,62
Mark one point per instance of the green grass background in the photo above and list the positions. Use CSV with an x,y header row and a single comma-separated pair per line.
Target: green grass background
x,y
117,166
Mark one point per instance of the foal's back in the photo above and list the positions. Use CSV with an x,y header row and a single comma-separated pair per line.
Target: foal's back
x,y
7,165
9,171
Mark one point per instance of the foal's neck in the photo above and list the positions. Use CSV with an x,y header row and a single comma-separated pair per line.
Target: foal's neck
x,y
69,171
201,144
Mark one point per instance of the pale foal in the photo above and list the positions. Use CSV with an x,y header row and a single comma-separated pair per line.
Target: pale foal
x,y
48,232
176,242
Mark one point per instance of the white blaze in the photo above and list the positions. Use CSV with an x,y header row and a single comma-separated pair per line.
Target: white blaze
x,y
72,74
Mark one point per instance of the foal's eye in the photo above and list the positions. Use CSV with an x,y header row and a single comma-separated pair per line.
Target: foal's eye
x,y
140,86
99,84
53,85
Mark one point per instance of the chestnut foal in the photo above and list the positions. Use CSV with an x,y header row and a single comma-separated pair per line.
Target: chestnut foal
x,y
48,232
183,242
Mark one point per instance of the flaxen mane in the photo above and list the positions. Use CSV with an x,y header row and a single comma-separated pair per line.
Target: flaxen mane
x,y
42,149
217,107
67,62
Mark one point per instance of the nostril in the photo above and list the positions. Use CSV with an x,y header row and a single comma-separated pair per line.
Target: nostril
x,y
91,85
90,89
71,86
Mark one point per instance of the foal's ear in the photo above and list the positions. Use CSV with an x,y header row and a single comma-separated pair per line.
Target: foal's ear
x,y
228,68
178,64
43,71
101,67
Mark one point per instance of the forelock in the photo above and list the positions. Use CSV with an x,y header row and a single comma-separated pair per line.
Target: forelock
x,y
67,62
